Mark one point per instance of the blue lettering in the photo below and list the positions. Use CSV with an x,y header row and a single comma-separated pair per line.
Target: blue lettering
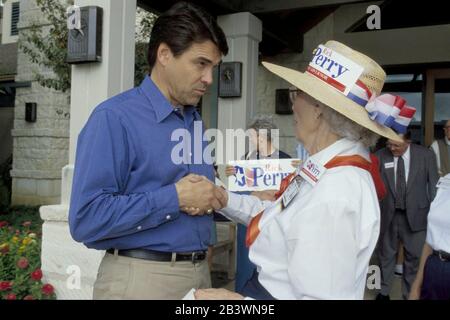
x,y
256,175
318,52
332,63
340,71
267,179
324,61
318,59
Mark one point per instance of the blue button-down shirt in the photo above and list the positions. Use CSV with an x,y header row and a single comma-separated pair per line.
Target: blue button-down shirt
x,y
123,193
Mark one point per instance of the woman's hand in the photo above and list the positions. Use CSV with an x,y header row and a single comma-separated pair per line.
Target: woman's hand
x,y
216,294
265,195
296,163
230,170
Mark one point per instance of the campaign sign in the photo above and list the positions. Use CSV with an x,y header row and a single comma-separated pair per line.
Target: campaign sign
x,y
258,175
334,69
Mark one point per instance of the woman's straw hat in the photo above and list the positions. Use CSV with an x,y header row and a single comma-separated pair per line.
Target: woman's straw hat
x,y
343,79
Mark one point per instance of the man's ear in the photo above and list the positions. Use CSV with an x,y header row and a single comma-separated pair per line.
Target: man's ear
x,y
164,54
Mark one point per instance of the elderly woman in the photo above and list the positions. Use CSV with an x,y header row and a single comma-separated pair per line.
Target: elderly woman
x,y
262,131
261,135
315,241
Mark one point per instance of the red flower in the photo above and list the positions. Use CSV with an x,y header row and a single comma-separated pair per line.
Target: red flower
x,y
4,249
48,289
26,223
5,285
3,224
22,263
36,275
11,296
28,297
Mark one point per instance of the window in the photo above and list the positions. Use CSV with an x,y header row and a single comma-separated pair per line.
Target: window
x,y
15,18
409,86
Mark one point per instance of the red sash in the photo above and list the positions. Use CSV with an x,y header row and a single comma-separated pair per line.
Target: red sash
x,y
339,161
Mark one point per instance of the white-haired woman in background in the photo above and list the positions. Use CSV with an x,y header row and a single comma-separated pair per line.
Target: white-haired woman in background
x,y
263,133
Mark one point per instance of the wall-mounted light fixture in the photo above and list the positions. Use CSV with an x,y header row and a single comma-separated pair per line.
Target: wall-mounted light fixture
x,y
30,111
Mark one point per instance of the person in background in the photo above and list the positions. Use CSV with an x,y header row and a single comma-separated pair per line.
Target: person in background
x,y
433,277
441,149
400,260
409,171
261,147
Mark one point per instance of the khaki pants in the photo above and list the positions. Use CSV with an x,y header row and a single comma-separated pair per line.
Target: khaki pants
x,y
137,279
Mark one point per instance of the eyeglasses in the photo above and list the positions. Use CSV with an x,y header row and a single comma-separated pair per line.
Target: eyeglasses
x,y
293,93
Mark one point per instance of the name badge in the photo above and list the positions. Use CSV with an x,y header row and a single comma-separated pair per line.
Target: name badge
x,y
388,165
291,191
312,172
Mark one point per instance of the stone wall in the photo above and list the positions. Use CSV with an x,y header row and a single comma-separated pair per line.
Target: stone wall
x,y
40,148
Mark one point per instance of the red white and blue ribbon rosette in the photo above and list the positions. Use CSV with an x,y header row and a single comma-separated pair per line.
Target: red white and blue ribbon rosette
x,y
388,110
343,74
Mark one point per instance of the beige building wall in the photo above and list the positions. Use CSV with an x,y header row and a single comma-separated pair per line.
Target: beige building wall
x,y
40,148
387,47
6,23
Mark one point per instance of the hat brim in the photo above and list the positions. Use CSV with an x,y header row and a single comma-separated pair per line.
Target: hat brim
x,y
332,98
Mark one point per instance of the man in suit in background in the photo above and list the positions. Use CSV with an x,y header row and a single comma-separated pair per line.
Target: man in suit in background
x,y
410,174
441,149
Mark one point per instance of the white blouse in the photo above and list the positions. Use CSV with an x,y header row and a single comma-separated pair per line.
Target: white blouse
x,y
438,230
320,245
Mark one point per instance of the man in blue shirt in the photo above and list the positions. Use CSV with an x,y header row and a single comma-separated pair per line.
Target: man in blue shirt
x,y
129,188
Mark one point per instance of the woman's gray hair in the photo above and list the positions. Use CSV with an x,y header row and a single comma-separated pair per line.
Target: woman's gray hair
x,y
266,123
346,128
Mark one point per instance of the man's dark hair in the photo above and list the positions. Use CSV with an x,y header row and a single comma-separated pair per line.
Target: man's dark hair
x,y
181,26
407,135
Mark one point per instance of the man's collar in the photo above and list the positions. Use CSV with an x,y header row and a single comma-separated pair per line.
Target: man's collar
x,y
159,102
407,154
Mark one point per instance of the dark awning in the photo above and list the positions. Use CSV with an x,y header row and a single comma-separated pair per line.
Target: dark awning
x,y
284,21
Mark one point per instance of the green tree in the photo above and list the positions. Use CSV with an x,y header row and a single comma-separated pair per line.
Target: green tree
x,y
48,49
47,46
145,21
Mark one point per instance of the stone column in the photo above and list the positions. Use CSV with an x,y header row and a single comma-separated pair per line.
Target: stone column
x,y
244,32
65,261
